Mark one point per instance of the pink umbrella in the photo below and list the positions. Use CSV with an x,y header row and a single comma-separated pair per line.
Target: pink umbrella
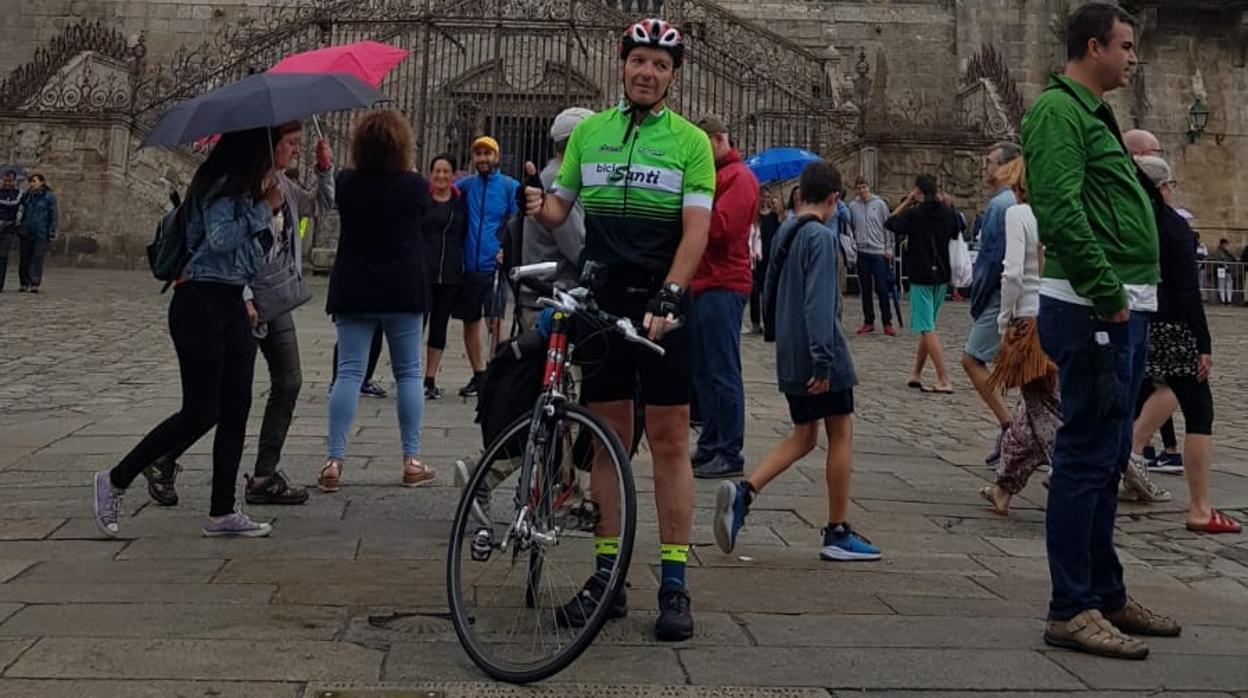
x,y
366,60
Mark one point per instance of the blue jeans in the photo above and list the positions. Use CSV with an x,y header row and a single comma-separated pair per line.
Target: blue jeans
x,y
355,334
1090,452
873,274
717,373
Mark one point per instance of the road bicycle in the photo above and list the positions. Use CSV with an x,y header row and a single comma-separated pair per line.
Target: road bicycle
x,y
522,547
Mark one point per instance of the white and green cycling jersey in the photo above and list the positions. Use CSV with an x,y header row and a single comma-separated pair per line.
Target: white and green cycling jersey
x,y
634,181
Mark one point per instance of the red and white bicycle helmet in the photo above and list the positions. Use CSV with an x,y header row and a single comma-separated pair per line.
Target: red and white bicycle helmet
x,y
655,33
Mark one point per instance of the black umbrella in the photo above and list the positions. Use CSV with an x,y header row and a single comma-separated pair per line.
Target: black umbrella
x,y
264,99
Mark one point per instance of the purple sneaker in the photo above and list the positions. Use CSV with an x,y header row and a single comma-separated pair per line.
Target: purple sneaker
x,y
107,504
235,525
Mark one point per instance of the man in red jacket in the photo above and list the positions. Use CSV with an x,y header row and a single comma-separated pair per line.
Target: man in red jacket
x,y
721,289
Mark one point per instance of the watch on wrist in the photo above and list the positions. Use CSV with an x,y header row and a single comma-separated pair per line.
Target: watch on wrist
x,y
673,288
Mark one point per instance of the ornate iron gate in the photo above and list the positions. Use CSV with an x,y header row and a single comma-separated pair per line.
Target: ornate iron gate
x,y
507,67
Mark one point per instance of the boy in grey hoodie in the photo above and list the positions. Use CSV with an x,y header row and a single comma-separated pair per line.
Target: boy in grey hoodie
x,y
814,368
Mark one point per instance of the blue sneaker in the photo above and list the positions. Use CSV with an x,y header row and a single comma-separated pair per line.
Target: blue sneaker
x,y
843,544
1150,454
1171,463
731,507
372,390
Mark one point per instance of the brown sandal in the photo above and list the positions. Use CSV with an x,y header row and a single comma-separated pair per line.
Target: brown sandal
x,y
1090,632
415,474
327,482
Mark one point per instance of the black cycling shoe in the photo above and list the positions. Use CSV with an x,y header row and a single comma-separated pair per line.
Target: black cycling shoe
x,y
675,621
161,480
275,489
574,613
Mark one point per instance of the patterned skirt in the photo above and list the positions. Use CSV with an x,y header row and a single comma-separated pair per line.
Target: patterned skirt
x,y
1172,350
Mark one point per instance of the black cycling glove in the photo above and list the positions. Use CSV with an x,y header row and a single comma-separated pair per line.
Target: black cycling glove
x,y
664,303
522,200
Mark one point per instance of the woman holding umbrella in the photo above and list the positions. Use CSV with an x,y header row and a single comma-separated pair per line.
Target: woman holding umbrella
x,y
228,212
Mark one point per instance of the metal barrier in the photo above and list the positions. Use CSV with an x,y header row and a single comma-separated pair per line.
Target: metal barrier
x,y
1223,283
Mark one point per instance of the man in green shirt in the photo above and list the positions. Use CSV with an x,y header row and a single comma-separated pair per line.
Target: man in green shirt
x,y
1099,281
646,178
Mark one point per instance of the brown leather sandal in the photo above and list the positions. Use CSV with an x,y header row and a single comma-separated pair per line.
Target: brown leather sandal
x,y
330,481
415,474
1090,632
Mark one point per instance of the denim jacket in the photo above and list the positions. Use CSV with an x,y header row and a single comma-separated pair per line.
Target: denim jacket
x,y
224,236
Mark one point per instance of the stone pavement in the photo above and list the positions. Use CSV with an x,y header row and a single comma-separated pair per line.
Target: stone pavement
x,y
346,599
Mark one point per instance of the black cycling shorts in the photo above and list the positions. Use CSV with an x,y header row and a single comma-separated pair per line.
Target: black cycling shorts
x,y
613,366
479,298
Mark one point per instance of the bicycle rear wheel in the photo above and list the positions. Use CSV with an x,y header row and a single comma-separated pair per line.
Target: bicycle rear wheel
x,y
510,577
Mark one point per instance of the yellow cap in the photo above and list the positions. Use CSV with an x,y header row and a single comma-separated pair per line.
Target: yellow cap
x,y
487,142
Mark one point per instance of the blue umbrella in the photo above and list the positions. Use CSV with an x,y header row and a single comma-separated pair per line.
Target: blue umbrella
x,y
778,164
264,99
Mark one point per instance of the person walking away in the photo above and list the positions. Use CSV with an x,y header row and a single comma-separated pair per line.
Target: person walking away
x,y
769,214
1021,363
1179,359
1141,143
10,201
1099,280
1223,271
278,341
378,280
925,226
442,230
721,289
875,245
563,243
649,259
491,199
814,370
229,211
984,339
40,216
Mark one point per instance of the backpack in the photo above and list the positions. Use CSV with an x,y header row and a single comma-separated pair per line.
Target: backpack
x,y
513,381
773,278
168,254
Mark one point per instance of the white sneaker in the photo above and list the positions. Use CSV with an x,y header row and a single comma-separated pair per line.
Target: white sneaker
x,y
1135,480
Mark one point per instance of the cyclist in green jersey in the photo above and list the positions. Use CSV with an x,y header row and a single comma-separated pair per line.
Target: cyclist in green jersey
x,y
646,179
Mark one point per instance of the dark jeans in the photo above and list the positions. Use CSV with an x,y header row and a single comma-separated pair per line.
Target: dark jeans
x,y
30,264
216,357
281,351
8,231
1089,453
717,373
374,355
873,275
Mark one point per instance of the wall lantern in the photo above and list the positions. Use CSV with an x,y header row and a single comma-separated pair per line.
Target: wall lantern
x,y
1197,119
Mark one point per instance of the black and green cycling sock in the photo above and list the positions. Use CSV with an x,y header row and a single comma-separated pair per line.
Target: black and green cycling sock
x,y
673,557
606,549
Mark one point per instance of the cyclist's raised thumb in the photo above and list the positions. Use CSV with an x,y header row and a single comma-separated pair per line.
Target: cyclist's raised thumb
x,y
530,170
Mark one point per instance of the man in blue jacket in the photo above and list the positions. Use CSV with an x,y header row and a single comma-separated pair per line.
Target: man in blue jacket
x,y
491,199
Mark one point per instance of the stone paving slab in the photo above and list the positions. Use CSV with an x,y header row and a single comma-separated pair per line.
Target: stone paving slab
x,y
890,631
82,592
979,670
237,660
176,620
1163,671
34,688
563,690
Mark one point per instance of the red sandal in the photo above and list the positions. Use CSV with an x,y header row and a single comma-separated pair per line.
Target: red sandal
x,y
1218,523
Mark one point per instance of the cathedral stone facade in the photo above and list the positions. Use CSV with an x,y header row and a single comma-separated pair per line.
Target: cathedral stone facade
x,y
887,88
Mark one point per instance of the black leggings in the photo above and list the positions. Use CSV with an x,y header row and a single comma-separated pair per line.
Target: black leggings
x,y
1196,401
374,355
441,300
216,357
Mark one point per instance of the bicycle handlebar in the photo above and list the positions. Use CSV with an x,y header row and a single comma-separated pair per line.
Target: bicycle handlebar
x,y
572,303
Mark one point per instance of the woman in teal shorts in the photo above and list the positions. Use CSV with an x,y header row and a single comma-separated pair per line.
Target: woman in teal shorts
x,y
924,226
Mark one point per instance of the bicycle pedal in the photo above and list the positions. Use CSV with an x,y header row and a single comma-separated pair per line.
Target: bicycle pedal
x,y
482,544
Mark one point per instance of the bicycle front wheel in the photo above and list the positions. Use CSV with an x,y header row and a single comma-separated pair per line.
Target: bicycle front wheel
x,y
522,545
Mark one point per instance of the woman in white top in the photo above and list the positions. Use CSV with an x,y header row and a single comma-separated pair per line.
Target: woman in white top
x,y
1028,442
